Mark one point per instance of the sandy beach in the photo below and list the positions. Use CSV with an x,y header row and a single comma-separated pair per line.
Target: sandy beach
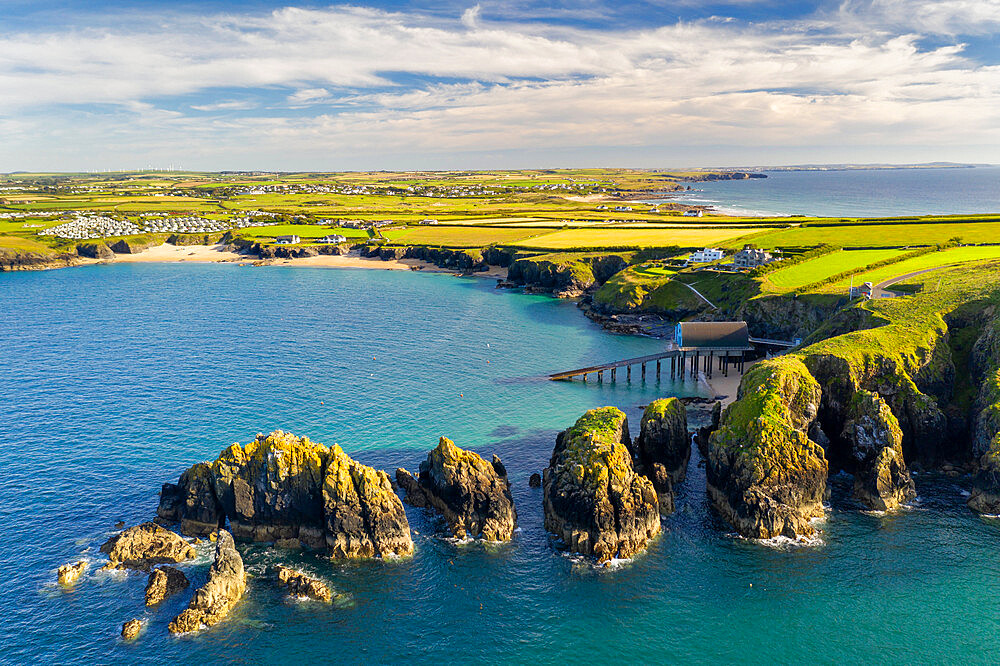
x,y
719,385
174,253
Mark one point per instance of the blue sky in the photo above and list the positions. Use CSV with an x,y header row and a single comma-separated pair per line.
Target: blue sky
x,y
415,84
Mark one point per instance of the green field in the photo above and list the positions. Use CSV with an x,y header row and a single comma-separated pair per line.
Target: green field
x,y
888,235
304,231
460,237
956,255
820,268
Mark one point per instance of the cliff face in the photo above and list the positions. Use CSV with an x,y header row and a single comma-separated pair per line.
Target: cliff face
x,y
294,492
566,274
663,447
472,494
765,475
985,495
593,498
784,317
881,478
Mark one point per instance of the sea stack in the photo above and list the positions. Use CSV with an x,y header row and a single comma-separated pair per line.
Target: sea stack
x,y
663,448
164,582
294,492
764,474
881,479
144,546
473,495
593,498
227,580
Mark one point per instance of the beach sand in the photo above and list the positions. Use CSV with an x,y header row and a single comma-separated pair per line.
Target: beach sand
x,y
723,386
176,253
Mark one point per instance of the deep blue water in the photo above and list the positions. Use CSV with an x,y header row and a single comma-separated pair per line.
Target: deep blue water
x,y
855,193
113,379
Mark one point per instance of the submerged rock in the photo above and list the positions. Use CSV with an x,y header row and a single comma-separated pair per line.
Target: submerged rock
x,y
472,494
364,517
301,585
294,492
663,448
535,480
212,602
764,474
593,498
164,582
881,479
70,573
131,629
146,545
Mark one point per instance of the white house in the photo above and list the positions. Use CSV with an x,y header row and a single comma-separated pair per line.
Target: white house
x,y
705,255
693,213
287,240
332,239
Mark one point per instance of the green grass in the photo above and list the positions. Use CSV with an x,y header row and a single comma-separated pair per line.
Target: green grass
x,y
814,270
462,236
886,235
301,230
956,255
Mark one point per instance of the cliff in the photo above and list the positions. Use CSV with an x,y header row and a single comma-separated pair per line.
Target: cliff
x,y
765,475
293,492
881,478
566,274
663,447
594,501
472,494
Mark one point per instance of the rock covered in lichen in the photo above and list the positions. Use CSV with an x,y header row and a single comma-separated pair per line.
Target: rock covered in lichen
x,y
164,582
301,585
294,492
70,573
364,517
473,495
594,500
881,479
146,545
212,602
764,474
663,447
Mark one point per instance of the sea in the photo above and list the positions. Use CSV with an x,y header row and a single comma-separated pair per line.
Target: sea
x,y
853,193
115,378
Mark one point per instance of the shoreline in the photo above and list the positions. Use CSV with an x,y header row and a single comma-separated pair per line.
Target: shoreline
x,y
719,385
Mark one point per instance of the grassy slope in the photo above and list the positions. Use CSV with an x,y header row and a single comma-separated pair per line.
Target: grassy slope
x,y
813,270
886,235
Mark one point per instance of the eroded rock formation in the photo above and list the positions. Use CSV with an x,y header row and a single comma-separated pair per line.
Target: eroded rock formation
x,y
212,602
301,585
593,498
294,492
70,573
164,582
131,629
881,479
765,475
144,546
472,494
663,447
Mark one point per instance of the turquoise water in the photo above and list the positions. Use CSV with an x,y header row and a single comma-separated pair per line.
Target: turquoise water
x,y
114,378
855,193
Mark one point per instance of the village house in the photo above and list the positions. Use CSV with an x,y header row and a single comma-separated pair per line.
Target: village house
x,y
287,240
332,239
751,257
705,255
693,213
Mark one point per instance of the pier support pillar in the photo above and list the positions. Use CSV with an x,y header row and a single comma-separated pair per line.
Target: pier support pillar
x,y
628,373
644,371
657,369
600,376
613,372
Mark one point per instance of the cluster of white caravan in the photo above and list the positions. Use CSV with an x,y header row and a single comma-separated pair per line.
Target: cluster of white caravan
x,y
92,226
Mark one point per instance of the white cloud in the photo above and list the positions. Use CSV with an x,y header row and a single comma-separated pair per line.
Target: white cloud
x,y
496,86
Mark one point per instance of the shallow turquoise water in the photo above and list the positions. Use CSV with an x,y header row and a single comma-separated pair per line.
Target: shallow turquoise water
x,y
855,193
114,378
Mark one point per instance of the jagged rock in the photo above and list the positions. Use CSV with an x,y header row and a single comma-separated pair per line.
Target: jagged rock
x,y
300,585
985,494
192,502
663,440
593,498
472,494
293,492
212,602
70,573
535,480
764,474
146,545
94,250
881,479
164,582
131,629
364,517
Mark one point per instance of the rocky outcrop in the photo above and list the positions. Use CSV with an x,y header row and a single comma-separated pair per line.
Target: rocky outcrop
x,y
94,250
70,573
566,274
134,244
164,582
212,602
144,546
663,447
535,480
364,517
985,494
594,500
472,494
881,479
294,492
765,475
131,629
301,585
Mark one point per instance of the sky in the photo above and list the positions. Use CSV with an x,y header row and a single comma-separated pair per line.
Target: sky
x,y
415,84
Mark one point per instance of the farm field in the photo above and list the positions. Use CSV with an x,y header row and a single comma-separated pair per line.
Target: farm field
x,y
881,235
459,237
605,237
301,230
947,257
820,268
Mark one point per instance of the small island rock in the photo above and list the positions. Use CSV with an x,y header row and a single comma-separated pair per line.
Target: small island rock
x,y
164,582
472,494
146,545
881,480
70,573
131,629
593,498
212,602
535,480
300,585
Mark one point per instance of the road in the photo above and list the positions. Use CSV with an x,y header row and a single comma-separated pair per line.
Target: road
x,y
880,291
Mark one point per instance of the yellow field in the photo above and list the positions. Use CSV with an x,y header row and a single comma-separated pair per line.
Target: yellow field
x,y
605,237
467,236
